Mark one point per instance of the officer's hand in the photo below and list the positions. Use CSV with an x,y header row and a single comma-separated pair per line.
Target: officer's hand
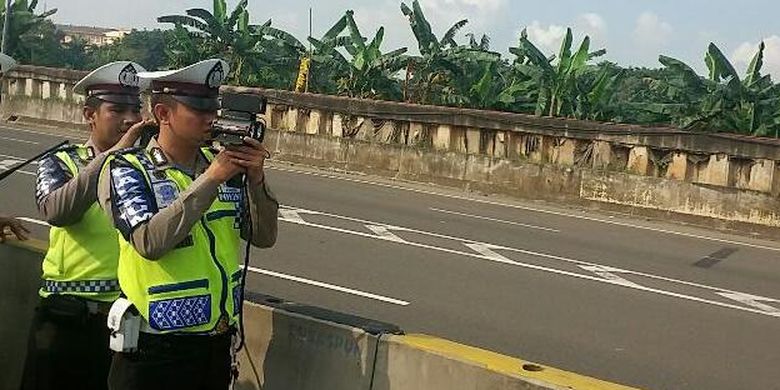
x,y
222,168
133,133
14,226
251,156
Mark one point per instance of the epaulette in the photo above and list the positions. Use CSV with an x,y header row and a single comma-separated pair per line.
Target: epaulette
x,y
130,150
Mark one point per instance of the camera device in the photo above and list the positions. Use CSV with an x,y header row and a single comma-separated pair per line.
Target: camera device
x,y
237,119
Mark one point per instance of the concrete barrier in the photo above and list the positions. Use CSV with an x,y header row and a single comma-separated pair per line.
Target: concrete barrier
x,y
292,346
298,347
422,362
20,277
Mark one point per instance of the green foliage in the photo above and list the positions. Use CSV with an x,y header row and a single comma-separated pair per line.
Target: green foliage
x,y
449,70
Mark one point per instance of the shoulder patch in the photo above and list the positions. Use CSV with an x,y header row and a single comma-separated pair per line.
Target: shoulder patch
x,y
132,201
53,173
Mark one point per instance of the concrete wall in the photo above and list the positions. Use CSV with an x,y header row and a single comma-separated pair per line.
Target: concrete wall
x,y
45,94
297,347
735,179
19,282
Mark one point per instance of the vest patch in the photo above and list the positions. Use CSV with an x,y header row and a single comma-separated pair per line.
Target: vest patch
x,y
172,314
165,192
229,194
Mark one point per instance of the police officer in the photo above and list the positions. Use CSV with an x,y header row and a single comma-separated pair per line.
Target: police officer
x,y
177,206
68,344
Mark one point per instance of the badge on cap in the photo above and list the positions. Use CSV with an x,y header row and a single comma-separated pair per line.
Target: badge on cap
x,y
128,77
215,76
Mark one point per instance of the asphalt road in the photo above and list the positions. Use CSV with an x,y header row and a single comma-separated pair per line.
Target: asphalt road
x,y
651,304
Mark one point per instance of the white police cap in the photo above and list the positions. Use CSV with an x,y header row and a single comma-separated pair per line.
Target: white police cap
x,y
116,82
6,63
196,86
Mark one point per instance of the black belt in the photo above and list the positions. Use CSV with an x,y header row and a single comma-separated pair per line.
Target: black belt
x,y
184,344
73,307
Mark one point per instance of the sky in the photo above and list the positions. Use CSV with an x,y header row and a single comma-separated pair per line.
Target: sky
x,y
634,32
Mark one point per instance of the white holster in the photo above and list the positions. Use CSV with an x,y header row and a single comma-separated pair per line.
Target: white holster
x,y
124,326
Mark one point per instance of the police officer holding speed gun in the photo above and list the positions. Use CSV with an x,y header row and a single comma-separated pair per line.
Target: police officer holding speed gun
x,y
68,342
181,206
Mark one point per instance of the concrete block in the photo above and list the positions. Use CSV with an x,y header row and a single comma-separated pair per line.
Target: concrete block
x,y
563,152
458,140
681,197
46,90
415,133
602,154
313,125
678,167
364,129
500,144
291,119
762,175
17,87
442,138
386,133
537,148
294,351
28,87
420,362
337,127
718,170
639,161
515,146
302,121
472,141
20,282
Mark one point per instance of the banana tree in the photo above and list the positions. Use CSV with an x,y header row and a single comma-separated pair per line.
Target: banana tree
x,y
328,63
557,83
26,29
202,34
722,101
445,72
368,73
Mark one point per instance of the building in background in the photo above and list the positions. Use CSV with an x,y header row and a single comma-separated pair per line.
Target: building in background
x,y
96,36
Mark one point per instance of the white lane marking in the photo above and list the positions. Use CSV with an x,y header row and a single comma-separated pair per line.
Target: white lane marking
x,y
35,221
495,220
7,164
504,260
533,209
517,250
485,250
20,159
384,232
754,301
329,286
23,172
19,140
290,215
609,273
293,278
